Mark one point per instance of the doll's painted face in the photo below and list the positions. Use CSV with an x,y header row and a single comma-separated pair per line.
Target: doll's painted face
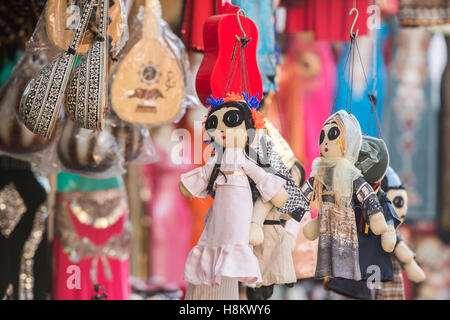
x,y
330,140
399,199
226,127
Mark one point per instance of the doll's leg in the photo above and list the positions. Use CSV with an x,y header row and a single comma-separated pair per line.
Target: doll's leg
x,y
228,289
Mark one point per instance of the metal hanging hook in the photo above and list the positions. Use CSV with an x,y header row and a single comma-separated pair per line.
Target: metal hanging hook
x,y
352,34
240,25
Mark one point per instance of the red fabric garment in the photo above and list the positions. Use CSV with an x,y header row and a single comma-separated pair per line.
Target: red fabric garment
x,y
116,288
329,20
195,14
171,227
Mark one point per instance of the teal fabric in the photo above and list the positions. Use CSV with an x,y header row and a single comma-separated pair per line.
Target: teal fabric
x,y
73,182
262,14
8,65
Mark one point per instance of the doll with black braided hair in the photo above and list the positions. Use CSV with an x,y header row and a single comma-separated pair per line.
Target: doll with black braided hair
x,y
223,256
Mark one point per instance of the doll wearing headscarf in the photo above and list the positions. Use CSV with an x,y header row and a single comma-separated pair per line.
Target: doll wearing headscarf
x,y
223,256
333,183
374,250
402,256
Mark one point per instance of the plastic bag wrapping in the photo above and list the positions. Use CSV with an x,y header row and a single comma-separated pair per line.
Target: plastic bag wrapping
x,y
120,27
95,154
16,140
191,99
104,154
152,87
134,141
61,17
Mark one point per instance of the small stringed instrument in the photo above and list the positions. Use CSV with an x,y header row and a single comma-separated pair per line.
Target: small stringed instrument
x,y
42,98
86,94
229,64
62,15
147,84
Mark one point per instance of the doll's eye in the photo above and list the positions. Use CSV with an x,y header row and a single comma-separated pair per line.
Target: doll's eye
x,y
211,123
333,133
322,137
399,202
233,118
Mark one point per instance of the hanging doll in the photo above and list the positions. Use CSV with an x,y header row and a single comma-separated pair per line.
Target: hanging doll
x,y
274,243
333,183
222,256
403,256
374,250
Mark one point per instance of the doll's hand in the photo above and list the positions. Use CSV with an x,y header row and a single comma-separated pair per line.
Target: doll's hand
x,y
291,240
414,272
311,229
388,239
185,192
280,198
403,253
377,223
256,234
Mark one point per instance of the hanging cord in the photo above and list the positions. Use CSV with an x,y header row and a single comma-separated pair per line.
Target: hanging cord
x,y
341,78
371,95
242,42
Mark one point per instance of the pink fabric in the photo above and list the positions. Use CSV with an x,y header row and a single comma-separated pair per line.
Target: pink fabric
x,y
305,253
171,228
223,249
318,91
117,288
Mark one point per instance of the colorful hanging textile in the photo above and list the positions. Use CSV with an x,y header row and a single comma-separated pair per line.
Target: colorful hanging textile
x,y
423,12
195,14
171,220
444,153
262,14
92,238
410,120
371,50
328,20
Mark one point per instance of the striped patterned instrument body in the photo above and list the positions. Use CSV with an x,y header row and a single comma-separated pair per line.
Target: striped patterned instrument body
x,y
41,101
86,94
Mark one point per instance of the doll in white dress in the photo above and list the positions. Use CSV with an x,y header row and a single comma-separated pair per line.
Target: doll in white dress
x,y
223,256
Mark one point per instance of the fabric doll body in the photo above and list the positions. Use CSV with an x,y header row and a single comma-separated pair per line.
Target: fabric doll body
x,y
402,257
223,244
395,289
338,254
223,256
370,247
273,244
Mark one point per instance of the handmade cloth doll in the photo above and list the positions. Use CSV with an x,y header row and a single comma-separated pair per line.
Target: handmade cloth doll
x,y
403,256
273,243
373,162
222,256
334,182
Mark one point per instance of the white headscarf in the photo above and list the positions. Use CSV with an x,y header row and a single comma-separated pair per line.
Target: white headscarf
x,y
338,174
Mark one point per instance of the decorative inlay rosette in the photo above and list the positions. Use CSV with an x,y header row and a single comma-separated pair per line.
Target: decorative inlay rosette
x,y
87,89
12,208
42,98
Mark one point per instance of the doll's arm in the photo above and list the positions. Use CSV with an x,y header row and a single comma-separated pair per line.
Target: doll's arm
x,y
406,257
195,182
270,186
311,229
371,206
260,211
